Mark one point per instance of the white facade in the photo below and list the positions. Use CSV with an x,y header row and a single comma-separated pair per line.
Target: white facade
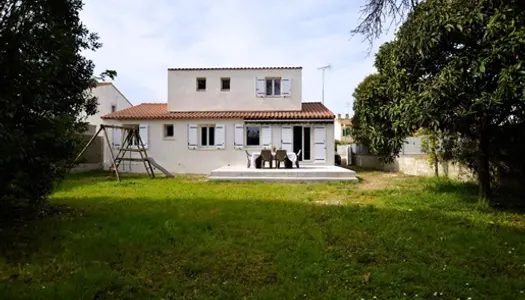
x,y
338,129
110,99
178,156
247,90
199,146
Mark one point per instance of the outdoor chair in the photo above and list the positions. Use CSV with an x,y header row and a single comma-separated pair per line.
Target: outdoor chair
x,y
297,158
280,156
266,156
248,158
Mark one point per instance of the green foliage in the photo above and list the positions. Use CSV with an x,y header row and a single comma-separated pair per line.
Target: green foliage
x,y
45,83
456,66
380,117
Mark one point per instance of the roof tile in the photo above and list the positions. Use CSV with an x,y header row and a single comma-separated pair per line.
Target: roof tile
x,y
234,68
159,111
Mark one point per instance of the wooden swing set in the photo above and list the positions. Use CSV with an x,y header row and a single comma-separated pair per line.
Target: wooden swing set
x,y
131,135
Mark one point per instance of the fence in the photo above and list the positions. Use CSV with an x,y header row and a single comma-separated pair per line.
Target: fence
x,y
412,146
411,161
94,156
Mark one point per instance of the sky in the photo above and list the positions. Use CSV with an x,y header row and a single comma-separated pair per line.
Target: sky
x,y
142,39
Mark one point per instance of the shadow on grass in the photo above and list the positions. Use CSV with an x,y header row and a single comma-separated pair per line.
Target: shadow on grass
x,y
234,245
503,200
251,245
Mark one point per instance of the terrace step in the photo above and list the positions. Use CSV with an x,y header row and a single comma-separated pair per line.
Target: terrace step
x,y
310,173
282,179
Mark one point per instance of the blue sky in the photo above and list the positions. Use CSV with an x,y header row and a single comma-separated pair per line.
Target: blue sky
x,y
141,39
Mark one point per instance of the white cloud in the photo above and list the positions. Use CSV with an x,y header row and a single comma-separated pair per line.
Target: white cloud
x,y
143,38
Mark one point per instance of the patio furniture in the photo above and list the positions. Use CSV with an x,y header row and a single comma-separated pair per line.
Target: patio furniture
x,y
266,156
297,158
248,158
255,160
280,156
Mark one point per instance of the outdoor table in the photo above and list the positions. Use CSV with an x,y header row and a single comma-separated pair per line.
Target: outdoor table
x,y
291,156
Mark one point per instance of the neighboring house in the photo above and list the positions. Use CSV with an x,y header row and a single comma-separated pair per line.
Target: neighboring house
x,y
110,99
342,129
214,114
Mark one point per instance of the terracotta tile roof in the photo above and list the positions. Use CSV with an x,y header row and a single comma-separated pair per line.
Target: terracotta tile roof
x,y
159,111
232,68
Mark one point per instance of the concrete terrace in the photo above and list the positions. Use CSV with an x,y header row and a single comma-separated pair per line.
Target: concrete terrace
x,y
311,173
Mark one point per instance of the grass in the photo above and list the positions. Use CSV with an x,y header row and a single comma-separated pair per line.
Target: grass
x,y
389,237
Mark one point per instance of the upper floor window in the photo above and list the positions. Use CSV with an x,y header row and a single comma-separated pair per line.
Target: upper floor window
x,y
113,108
273,86
201,84
225,84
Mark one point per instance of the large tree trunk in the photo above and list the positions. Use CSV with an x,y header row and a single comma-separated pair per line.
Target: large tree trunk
x,y
485,190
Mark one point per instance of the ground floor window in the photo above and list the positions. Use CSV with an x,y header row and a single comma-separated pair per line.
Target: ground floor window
x,y
253,135
169,131
207,135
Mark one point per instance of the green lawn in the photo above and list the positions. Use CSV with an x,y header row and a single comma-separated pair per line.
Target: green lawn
x,y
391,237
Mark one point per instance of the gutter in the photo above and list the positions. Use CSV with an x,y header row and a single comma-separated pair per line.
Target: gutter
x,y
290,121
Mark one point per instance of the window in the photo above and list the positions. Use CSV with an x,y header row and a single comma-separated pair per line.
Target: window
x,y
225,84
273,86
207,135
169,131
346,131
253,136
201,84
113,108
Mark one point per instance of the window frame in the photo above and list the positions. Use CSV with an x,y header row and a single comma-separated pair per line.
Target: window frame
x,y
199,135
165,132
113,108
273,80
197,83
223,79
134,142
259,127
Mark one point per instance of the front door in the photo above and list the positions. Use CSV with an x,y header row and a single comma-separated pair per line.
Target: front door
x,y
302,141
320,143
298,141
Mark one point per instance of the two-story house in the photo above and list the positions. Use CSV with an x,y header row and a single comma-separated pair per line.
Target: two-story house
x,y
110,99
214,114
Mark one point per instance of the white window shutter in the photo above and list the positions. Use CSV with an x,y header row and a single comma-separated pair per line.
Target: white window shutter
x,y
143,132
220,136
286,87
192,136
286,138
116,137
266,136
260,87
238,136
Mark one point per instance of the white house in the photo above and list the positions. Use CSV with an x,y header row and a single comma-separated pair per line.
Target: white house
x,y
214,114
342,128
110,99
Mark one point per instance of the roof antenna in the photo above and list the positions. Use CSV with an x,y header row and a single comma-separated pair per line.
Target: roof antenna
x,y
324,68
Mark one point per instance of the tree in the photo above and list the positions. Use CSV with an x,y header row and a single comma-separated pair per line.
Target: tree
x,y
44,87
375,13
459,63
381,119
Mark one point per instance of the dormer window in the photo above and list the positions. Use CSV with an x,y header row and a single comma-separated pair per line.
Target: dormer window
x,y
201,84
273,86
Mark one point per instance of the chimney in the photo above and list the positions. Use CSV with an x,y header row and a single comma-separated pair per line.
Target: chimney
x,y
339,116
346,116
